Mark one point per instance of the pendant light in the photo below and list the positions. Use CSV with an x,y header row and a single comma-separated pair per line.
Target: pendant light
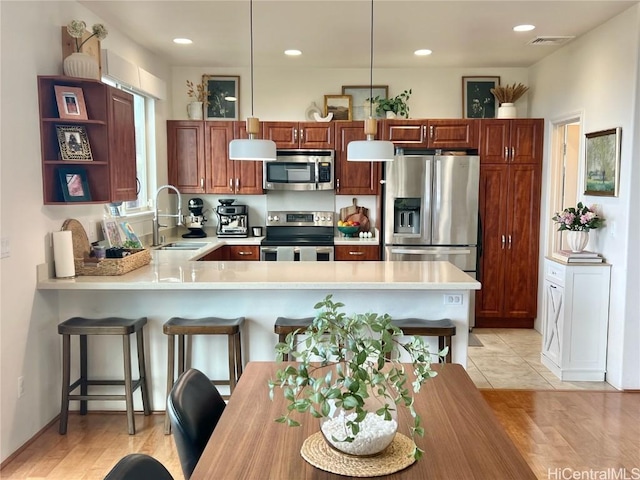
x,y
370,150
253,148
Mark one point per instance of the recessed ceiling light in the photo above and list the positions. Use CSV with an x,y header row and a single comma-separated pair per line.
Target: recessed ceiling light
x,y
523,28
292,52
182,41
423,52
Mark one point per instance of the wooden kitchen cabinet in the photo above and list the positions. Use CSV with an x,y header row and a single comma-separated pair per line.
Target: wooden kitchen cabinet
x,y
357,252
186,157
110,128
508,266
354,178
424,133
514,141
300,134
575,320
233,252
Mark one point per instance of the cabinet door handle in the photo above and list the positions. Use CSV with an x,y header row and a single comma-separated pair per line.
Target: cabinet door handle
x,y
245,253
506,153
202,183
337,184
237,184
355,253
553,286
302,135
431,132
509,242
231,184
295,134
513,153
503,241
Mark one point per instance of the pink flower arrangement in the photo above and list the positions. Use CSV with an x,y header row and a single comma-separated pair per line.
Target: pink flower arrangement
x,y
578,219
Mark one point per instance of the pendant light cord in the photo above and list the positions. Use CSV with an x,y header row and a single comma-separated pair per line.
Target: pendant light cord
x,y
371,67
251,48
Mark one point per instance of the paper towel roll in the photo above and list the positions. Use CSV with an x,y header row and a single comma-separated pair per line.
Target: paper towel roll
x,y
63,254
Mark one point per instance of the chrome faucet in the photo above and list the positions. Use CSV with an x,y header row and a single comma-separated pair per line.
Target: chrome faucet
x,y
156,215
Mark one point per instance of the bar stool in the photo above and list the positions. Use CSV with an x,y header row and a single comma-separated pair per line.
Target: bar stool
x,y
443,329
285,326
102,326
179,327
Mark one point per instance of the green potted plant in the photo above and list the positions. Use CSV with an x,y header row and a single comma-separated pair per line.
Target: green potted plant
x,y
397,105
349,371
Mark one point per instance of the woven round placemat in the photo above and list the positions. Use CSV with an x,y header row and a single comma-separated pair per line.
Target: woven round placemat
x,y
394,458
81,246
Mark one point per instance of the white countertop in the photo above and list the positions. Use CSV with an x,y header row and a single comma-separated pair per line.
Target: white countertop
x,y
178,270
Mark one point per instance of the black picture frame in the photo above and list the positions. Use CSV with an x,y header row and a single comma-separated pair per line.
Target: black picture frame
x,y
223,97
477,99
74,184
74,143
602,162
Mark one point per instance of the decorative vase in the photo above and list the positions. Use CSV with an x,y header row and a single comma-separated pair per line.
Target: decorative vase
x,y
577,240
375,433
81,65
194,110
390,114
507,110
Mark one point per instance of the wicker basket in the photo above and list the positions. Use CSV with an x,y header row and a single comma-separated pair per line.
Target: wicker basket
x,y
86,265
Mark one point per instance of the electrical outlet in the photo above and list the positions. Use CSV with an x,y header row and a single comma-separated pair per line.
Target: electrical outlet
x,y
20,386
453,299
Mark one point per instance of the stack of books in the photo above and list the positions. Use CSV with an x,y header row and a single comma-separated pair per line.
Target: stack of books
x,y
585,256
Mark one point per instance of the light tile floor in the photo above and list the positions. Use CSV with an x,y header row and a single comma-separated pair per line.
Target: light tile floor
x,y
510,359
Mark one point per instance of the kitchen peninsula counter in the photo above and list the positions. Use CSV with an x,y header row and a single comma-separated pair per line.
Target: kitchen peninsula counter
x,y
174,284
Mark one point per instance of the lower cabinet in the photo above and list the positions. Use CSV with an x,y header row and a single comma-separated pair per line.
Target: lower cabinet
x,y
357,252
575,319
233,252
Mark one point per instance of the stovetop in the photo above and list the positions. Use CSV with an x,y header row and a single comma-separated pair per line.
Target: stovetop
x,y
291,228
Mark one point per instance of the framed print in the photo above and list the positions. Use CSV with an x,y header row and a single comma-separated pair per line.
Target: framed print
x,y
70,102
360,95
339,105
224,97
74,184
111,232
477,99
73,142
602,162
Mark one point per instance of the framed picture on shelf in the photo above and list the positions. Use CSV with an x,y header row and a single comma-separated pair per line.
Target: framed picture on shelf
x,y
339,105
360,95
70,102
73,184
477,99
602,162
224,97
111,232
73,142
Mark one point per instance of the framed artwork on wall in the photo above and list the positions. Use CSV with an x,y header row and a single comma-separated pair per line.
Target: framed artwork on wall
x,y
73,184
339,105
602,162
359,99
70,102
477,99
224,97
73,142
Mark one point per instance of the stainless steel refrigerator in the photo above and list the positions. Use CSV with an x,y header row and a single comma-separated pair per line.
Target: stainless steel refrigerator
x,y
431,209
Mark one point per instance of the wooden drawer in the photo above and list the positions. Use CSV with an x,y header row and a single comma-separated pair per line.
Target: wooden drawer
x,y
357,252
243,252
554,272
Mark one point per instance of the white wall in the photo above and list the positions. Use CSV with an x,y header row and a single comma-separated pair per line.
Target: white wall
x,y
597,75
29,342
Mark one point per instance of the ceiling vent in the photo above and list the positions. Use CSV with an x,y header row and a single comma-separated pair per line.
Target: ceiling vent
x,y
550,40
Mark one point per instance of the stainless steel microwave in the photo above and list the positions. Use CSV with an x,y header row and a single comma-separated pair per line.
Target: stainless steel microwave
x,y
300,170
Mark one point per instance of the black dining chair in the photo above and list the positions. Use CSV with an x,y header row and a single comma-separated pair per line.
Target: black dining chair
x,y
138,466
194,407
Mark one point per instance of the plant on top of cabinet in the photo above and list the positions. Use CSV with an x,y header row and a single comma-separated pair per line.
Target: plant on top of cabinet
x,y
397,105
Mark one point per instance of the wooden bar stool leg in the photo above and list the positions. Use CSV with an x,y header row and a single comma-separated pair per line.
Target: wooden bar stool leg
x,y
142,368
128,391
66,381
238,340
447,343
181,354
171,340
232,366
84,376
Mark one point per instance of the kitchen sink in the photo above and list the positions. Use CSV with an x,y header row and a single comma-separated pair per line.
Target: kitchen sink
x,y
183,246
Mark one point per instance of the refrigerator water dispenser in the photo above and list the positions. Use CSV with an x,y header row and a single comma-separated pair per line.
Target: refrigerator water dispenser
x,y
407,216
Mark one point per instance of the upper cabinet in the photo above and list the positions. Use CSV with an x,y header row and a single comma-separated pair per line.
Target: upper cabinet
x,y
87,135
185,150
511,140
354,178
453,133
300,134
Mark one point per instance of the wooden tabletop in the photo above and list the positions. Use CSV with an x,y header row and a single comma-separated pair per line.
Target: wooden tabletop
x,y
463,438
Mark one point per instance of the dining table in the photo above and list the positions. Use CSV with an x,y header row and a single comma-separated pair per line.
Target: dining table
x,y
463,438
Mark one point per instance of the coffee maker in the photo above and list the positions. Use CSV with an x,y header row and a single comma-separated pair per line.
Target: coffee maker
x,y
196,219
233,220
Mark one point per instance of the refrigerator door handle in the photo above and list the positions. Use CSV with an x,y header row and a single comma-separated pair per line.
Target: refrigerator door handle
x,y
430,251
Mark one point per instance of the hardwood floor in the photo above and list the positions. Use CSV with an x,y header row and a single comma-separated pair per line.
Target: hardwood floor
x,y
575,430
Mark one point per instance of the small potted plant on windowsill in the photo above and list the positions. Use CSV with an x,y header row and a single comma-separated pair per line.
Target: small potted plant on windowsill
x,y
392,107
350,376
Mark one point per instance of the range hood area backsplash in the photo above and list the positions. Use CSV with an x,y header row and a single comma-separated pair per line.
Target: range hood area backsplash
x,y
259,205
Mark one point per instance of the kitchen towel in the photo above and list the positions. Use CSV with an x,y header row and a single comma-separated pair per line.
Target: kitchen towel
x,y
284,254
308,254
63,254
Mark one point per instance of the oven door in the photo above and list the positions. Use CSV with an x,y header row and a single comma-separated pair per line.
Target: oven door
x,y
296,254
